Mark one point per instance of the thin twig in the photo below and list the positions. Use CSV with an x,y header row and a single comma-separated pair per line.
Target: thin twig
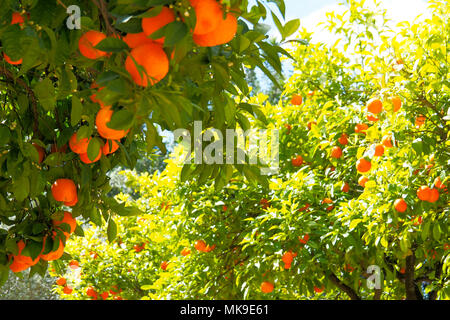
x,y
101,5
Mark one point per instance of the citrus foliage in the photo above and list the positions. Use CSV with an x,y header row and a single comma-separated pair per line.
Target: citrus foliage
x,y
78,102
314,232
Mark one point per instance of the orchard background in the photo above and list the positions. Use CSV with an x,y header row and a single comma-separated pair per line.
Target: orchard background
x,y
92,198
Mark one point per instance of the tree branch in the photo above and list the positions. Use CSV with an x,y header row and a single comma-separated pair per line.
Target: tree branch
x,y
101,5
412,292
9,76
349,291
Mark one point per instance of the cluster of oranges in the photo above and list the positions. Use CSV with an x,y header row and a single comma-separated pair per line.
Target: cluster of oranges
x,y
201,246
94,295
147,62
22,262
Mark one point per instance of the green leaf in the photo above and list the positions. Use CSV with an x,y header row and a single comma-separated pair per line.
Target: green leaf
x,y
174,33
112,45
290,27
76,111
45,92
121,120
111,230
94,147
21,188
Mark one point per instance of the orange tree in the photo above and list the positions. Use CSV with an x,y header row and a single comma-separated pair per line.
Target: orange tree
x,y
362,186
82,94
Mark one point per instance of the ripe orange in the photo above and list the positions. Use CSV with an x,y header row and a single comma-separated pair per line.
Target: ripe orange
x,y
424,193
134,40
438,183
296,100
420,120
267,287
372,118
363,165
345,187
67,290
87,43
90,292
53,255
17,18
41,152
343,139
361,128
185,252
375,106
94,98
61,281
434,195
288,257
387,141
223,33
297,162
74,264
305,239
64,190
102,119
200,245
105,295
164,265
318,290
208,14
336,152
152,24
400,205
78,146
379,150
71,203
84,157
327,201
153,64
20,259
8,59
68,219
362,181
396,103
107,149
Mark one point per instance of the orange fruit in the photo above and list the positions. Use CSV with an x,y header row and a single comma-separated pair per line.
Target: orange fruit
x,y
208,14
90,292
17,18
78,146
287,266
387,141
61,281
8,59
343,139
84,157
53,255
200,245
396,103
107,149
102,119
336,152
400,205
41,152
64,190
67,290
362,181
164,265
296,100
224,33
420,120
298,161
21,259
267,287
134,40
434,195
363,165
438,183
345,187
361,128
153,62
375,106
288,257
424,193
94,98
372,118
74,264
185,252
18,266
305,239
71,203
318,290
210,248
379,150
87,43
152,24
68,219
105,295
